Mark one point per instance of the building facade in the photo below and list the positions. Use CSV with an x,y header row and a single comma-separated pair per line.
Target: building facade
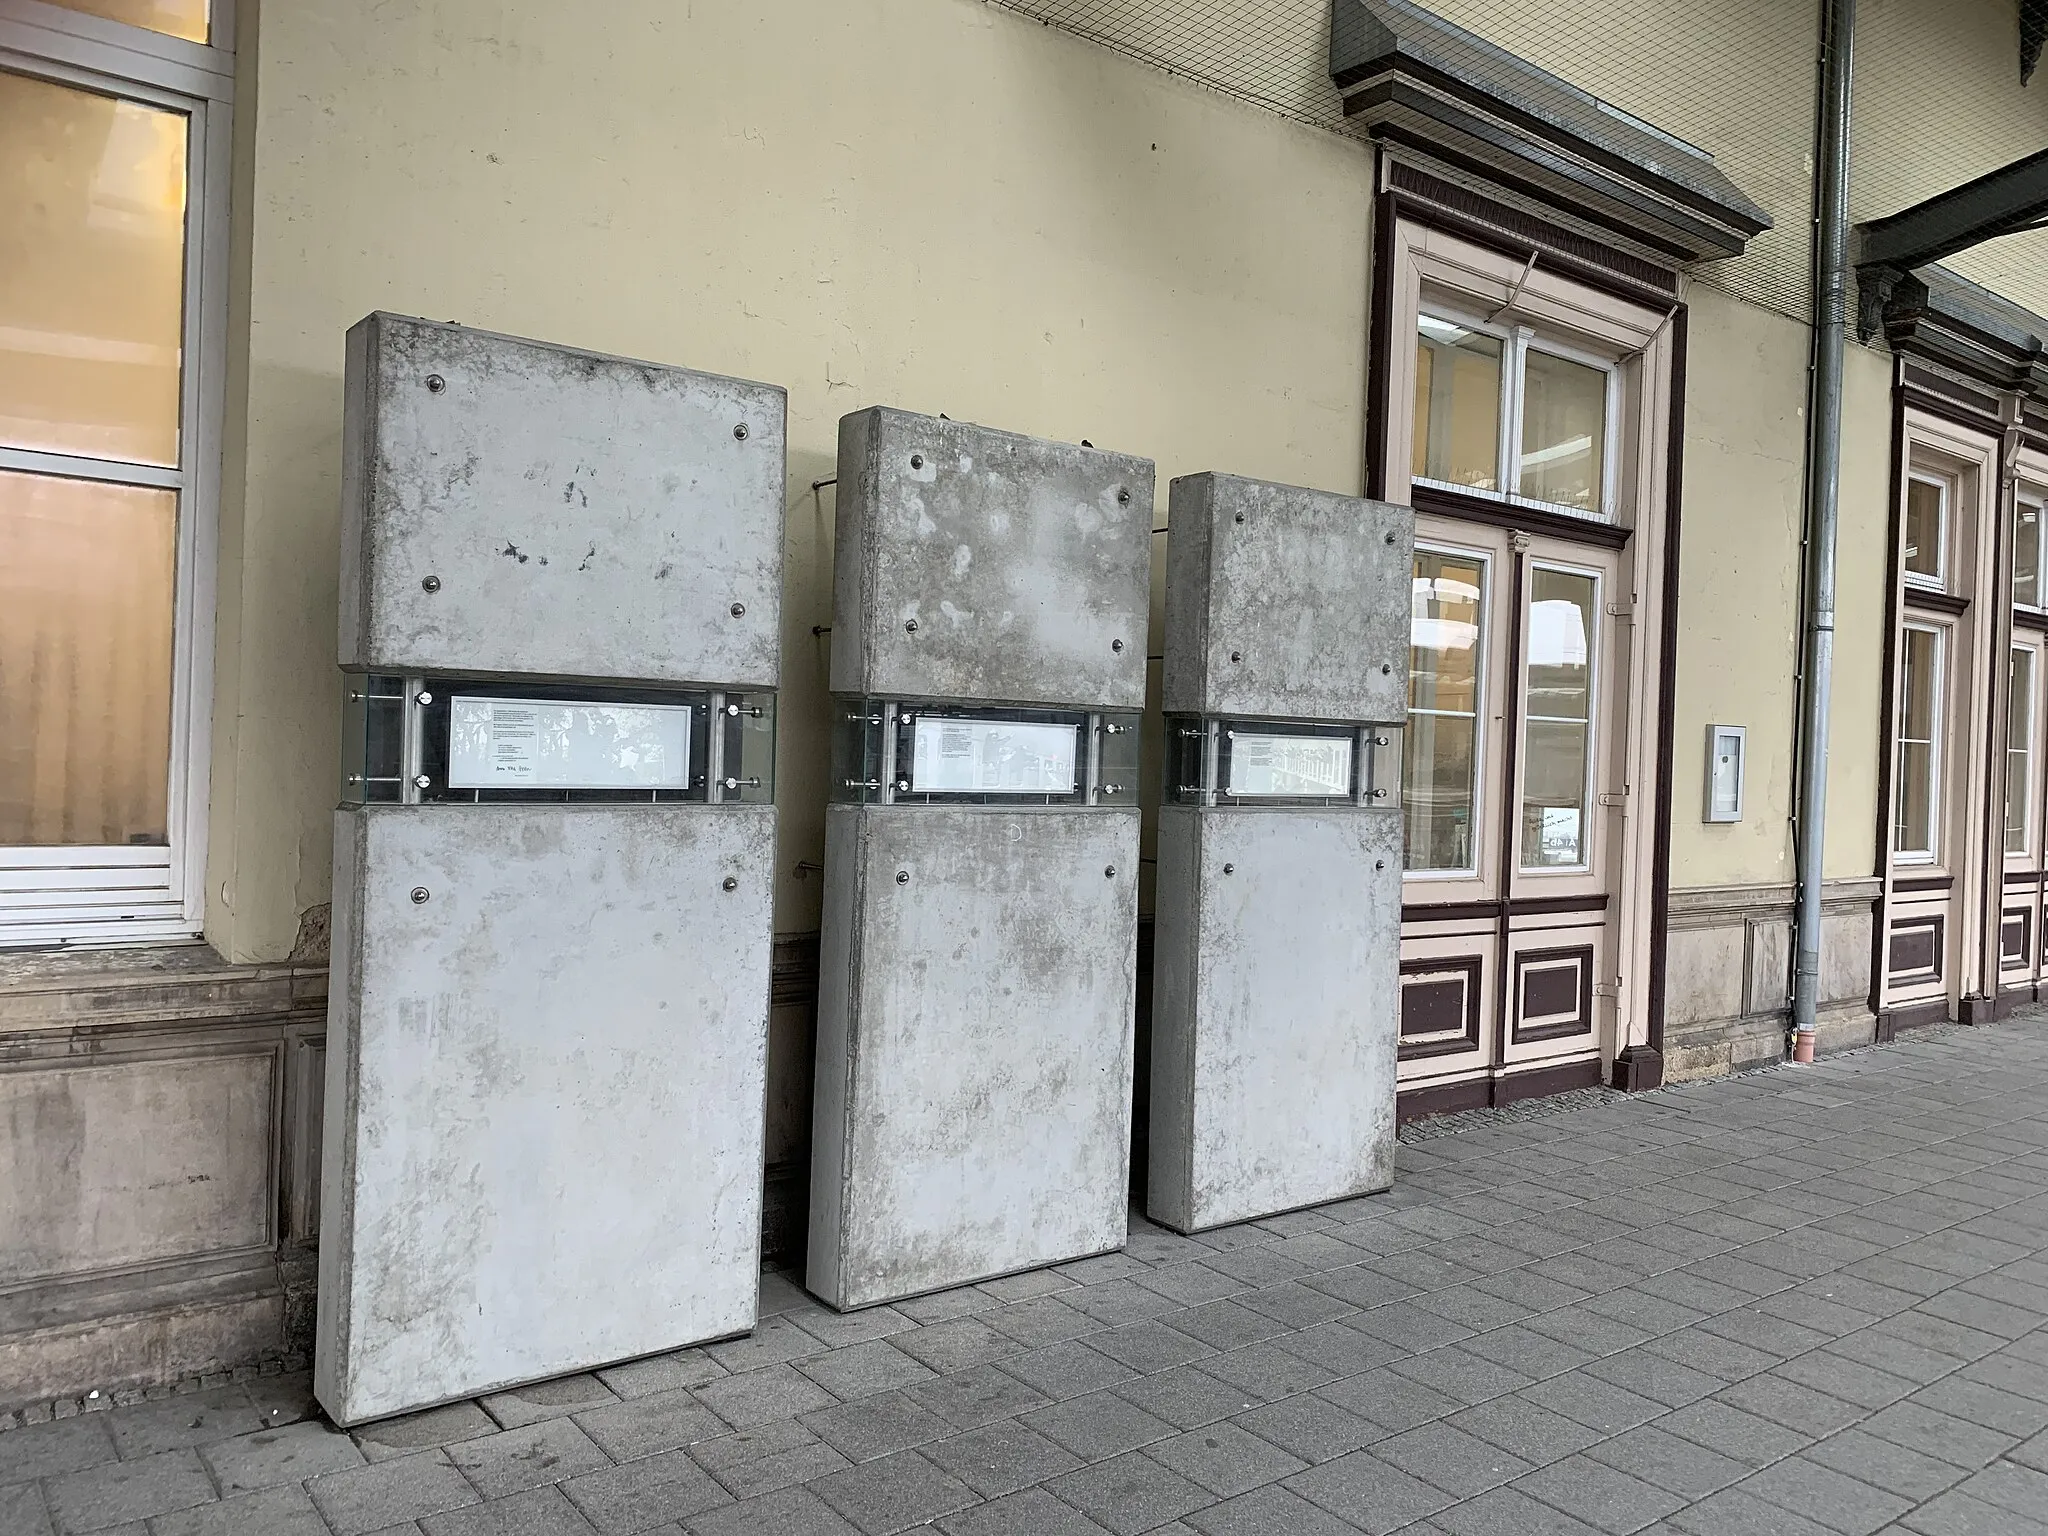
x,y
1542,271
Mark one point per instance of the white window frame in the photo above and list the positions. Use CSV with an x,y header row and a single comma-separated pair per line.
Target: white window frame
x,y
1945,531
91,896
1595,699
2035,497
1480,734
1936,746
1517,342
2025,749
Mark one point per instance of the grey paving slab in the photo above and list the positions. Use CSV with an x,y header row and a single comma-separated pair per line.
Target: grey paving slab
x,y
1800,1301
388,1492
118,1492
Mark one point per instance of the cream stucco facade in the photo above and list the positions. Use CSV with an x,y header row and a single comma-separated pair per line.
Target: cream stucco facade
x,y
946,206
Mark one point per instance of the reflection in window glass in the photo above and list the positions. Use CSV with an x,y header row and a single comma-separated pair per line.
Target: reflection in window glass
x,y
1919,759
174,18
1564,431
1457,405
1926,532
1557,736
2026,553
85,661
1439,779
2019,749
92,248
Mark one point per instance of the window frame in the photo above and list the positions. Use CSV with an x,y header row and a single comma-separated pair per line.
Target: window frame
x,y
1596,700
2025,750
1945,530
1943,637
85,895
2027,494
1517,342
1482,740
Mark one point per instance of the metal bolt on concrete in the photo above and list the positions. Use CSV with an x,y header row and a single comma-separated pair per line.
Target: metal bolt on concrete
x,y
1807,1302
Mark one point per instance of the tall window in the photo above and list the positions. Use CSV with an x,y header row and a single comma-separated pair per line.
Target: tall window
x,y
2019,749
1925,552
1558,728
1917,771
2027,575
1440,748
111,176
1507,412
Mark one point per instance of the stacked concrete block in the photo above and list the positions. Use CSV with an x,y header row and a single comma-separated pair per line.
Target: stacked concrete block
x,y
544,1113
975,1030
1275,995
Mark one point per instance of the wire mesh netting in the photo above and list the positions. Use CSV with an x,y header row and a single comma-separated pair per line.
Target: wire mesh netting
x,y
1938,95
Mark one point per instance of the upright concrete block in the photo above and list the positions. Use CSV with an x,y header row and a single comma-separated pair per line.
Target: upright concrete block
x,y
1276,971
973,1112
513,506
547,1040
978,977
1285,603
974,564
1274,1011
546,1063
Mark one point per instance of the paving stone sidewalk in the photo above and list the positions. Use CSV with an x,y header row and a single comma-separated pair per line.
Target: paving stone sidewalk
x,y
1805,1302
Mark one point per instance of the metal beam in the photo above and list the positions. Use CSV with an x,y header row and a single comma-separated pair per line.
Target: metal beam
x,y
2008,200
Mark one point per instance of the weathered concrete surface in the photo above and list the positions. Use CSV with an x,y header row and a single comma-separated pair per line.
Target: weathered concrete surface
x,y
1024,565
1308,591
583,515
975,1018
1275,1010
544,1096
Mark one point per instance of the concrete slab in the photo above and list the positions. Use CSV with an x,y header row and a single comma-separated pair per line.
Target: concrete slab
x,y
1275,1010
975,565
1286,603
975,1022
512,506
544,1108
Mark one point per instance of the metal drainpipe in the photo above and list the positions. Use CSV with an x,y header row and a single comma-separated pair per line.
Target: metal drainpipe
x,y
1823,488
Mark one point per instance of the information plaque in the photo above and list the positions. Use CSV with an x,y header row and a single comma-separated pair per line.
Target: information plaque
x,y
498,743
1264,763
952,755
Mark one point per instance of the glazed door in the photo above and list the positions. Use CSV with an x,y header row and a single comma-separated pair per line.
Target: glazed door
x,y
1512,803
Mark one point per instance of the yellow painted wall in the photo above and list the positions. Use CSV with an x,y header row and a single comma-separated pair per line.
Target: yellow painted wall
x,y
923,203
1739,575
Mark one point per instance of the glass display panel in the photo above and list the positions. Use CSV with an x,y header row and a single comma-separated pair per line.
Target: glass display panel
x,y
2026,553
1266,763
1439,778
1218,761
173,18
373,740
1558,729
440,740
1564,432
500,743
2019,749
1457,405
1926,530
890,752
87,590
92,242
1919,758
955,756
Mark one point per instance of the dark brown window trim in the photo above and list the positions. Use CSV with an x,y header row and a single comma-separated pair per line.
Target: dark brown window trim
x,y
2029,618
1887,689
1950,604
1650,1072
1517,233
1955,402
1528,906
1516,517
2022,877
1923,885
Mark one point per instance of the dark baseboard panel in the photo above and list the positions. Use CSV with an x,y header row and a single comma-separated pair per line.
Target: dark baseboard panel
x,y
1914,1016
1493,1092
1638,1069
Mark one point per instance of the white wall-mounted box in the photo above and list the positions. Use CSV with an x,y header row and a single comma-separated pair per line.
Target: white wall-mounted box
x,y
1727,758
